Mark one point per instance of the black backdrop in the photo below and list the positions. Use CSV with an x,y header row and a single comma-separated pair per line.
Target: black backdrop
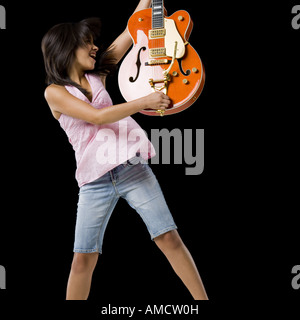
x,y
237,218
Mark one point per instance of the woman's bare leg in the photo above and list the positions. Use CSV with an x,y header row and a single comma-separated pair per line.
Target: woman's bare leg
x,y
80,278
170,244
182,262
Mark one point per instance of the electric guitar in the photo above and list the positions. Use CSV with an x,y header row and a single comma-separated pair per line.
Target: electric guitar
x,y
161,59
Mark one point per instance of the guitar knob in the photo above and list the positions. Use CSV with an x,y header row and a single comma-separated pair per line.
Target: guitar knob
x,y
185,81
175,74
180,18
195,70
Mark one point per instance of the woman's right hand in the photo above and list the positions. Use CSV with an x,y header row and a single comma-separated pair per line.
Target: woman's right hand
x,y
157,100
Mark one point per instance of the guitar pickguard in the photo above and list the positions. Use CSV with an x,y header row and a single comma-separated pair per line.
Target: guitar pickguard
x,y
172,35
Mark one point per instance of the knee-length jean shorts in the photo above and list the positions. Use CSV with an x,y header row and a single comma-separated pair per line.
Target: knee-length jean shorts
x,y
137,184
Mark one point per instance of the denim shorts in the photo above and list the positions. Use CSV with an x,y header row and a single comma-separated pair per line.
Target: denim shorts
x,y
136,183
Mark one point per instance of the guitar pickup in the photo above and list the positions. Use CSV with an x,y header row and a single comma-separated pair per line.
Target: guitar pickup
x,y
157,33
157,62
157,52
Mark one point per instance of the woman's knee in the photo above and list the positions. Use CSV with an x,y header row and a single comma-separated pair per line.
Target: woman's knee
x,y
169,241
84,262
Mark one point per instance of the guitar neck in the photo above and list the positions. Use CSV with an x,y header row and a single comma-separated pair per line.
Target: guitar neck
x,y
157,14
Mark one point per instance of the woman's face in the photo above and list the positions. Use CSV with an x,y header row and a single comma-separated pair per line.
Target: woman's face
x,y
86,56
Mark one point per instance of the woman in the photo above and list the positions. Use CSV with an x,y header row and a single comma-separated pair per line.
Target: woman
x,y
109,164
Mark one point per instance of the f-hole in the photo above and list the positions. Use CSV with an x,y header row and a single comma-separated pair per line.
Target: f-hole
x,y
138,65
187,73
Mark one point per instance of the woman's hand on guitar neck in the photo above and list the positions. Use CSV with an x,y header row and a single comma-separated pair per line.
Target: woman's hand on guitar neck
x,y
157,101
143,4
123,42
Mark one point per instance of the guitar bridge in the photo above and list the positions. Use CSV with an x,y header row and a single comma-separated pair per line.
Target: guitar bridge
x,y
157,62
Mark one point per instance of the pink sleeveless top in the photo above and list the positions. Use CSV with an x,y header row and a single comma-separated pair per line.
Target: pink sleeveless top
x,y
100,148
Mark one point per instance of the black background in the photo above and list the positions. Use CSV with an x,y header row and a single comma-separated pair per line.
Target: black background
x,y
238,218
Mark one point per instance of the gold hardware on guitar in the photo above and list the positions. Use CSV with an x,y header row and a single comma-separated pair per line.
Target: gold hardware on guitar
x,y
166,72
164,87
168,62
165,80
160,112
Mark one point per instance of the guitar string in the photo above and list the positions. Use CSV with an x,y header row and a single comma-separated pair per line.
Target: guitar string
x,y
157,43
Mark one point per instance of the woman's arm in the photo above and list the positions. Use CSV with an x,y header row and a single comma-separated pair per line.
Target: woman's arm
x,y
124,41
61,101
144,4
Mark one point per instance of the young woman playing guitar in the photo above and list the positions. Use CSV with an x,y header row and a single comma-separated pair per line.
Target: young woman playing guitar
x,y
79,101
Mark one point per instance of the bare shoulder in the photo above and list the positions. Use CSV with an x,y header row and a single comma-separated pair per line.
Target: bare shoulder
x,y
54,91
53,94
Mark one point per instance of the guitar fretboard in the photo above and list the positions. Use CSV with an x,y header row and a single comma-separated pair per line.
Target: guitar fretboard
x,y
157,14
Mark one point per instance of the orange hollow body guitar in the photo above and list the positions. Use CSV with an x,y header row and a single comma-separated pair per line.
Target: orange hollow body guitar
x,y
161,59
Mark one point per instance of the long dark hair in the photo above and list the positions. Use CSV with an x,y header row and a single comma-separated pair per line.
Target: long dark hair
x,y
59,45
